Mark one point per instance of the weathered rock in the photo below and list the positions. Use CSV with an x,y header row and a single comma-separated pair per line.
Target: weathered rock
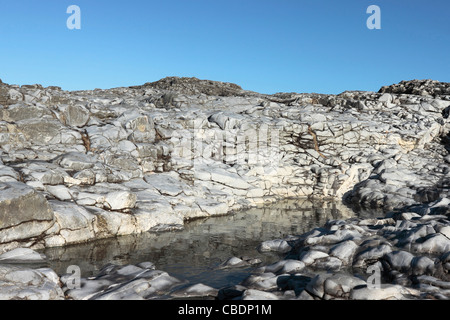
x,y
277,245
418,87
24,213
191,86
399,260
433,243
422,265
371,254
252,294
344,251
9,96
195,291
120,200
316,286
235,262
77,116
340,285
229,179
122,283
283,267
40,132
146,158
385,292
21,255
75,161
23,112
17,283
265,282
74,224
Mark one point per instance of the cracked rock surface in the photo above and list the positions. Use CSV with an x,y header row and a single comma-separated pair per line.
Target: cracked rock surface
x,y
85,165
401,256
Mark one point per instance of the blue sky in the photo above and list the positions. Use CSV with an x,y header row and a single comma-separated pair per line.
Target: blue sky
x,y
266,46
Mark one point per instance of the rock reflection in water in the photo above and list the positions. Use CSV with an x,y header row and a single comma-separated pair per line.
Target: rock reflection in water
x,y
194,252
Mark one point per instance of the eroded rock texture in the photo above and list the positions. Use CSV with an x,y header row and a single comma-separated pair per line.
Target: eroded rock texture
x,y
77,166
85,165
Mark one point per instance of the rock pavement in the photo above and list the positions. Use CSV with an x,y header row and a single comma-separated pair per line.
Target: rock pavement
x,y
404,255
85,165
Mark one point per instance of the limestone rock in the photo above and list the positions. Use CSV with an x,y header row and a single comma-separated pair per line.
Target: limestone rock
x,y
120,200
21,255
340,286
253,294
17,283
198,290
84,165
193,86
24,213
76,116
277,245
75,161
385,292
128,282
418,87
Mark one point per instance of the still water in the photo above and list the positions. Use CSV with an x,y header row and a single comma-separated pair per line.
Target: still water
x,y
194,253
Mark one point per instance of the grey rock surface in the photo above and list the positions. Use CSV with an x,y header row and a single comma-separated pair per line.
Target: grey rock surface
x,y
19,283
24,213
85,165
398,257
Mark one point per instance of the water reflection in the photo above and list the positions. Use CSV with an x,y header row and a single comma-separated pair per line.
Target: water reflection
x,y
194,252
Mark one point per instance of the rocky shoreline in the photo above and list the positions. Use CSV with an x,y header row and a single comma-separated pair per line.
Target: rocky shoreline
x,y
403,256
85,165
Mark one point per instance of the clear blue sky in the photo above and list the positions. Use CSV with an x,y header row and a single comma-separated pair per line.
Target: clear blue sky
x,y
272,46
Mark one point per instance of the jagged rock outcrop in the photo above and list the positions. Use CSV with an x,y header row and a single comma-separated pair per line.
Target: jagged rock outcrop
x,y
419,87
194,86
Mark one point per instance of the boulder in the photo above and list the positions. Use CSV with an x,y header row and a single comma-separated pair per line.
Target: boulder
x,y
278,245
22,255
76,115
432,243
24,213
340,285
75,161
40,132
120,200
399,260
385,292
198,290
18,283
253,294
127,282
344,251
